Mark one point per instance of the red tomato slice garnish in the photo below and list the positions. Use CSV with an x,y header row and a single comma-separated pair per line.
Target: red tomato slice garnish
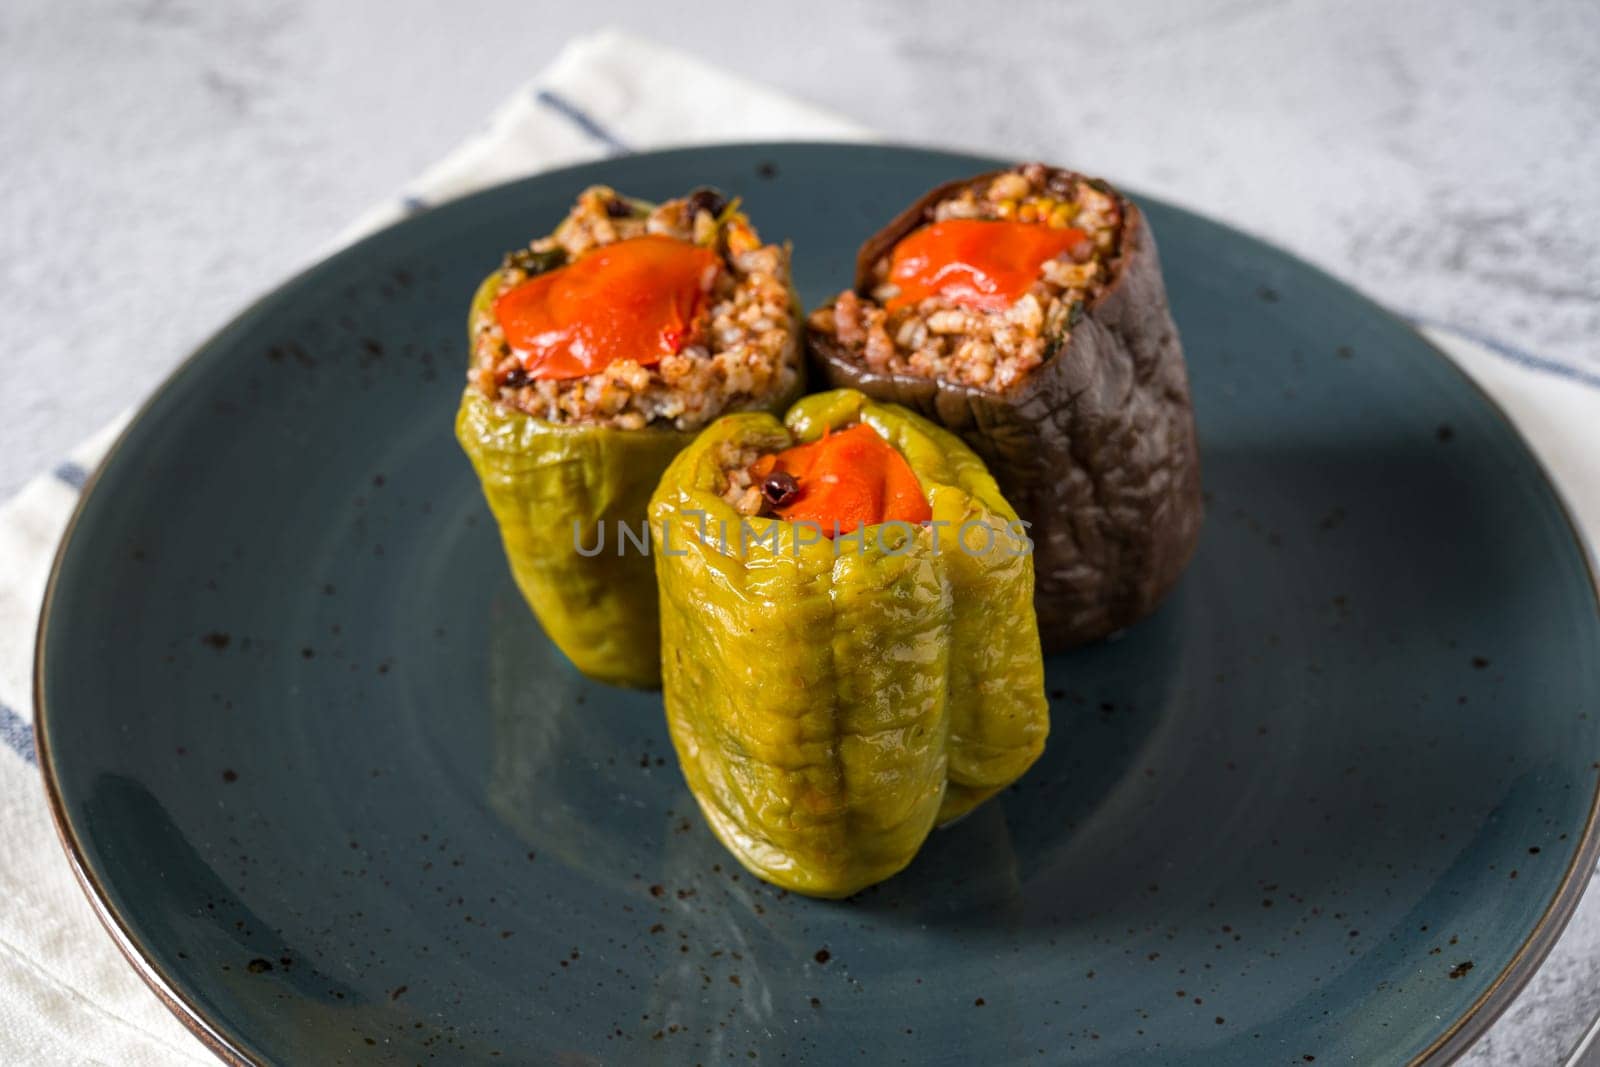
x,y
854,478
637,299
975,263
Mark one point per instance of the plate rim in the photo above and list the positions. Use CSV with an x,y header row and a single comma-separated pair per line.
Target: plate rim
x,y
1449,1044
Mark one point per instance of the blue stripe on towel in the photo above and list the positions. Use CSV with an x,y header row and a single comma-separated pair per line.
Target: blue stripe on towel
x,y
581,119
17,733
71,473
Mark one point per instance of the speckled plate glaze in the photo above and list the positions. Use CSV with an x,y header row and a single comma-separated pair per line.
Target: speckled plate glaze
x,y
340,802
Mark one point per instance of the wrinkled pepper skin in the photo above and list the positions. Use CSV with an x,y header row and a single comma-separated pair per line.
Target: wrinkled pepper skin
x,y
539,479
1096,448
829,709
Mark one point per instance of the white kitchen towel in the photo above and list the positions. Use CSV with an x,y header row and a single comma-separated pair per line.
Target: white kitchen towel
x,y
66,995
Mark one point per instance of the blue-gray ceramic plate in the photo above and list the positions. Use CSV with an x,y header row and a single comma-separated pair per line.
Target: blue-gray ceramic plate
x,y
341,802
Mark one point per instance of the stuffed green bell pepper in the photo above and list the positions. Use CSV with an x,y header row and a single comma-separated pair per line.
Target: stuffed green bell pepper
x,y
849,649
597,353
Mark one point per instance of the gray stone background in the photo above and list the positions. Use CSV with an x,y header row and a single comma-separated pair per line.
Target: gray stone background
x,y
162,162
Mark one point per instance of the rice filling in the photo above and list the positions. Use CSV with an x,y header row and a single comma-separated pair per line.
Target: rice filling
x,y
941,338
743,350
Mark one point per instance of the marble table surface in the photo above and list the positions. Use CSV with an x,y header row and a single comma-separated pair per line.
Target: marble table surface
x,y
162,162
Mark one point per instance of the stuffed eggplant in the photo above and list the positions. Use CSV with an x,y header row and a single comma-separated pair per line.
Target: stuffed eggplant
x,y
597,352
849,651
1025,310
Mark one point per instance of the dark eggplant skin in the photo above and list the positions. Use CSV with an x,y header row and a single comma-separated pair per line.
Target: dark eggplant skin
x,y
1095,447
